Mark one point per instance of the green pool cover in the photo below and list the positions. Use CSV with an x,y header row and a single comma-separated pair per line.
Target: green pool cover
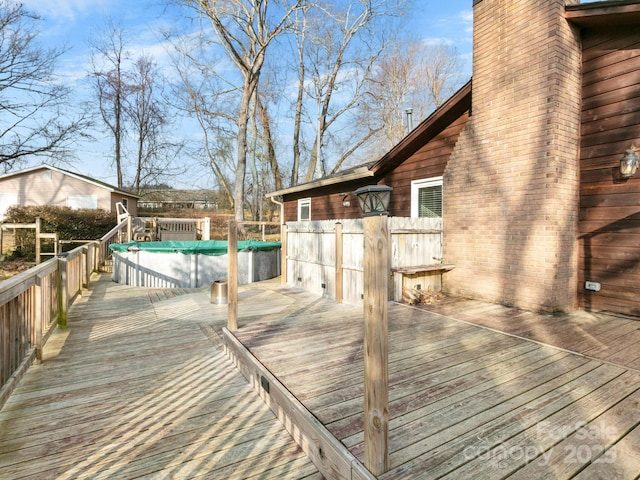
x,y
203,247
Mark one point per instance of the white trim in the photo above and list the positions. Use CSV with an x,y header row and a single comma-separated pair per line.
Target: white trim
x,y
301,203
416,185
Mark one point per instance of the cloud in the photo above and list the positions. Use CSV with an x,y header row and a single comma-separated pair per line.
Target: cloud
x,y
68,10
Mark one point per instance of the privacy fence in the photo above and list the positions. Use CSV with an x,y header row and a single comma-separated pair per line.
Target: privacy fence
x,y
326,257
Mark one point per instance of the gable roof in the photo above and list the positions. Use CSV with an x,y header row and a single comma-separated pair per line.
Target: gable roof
x,y
78,176
429,128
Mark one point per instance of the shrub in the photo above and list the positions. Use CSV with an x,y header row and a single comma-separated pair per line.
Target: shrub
x,y
68,223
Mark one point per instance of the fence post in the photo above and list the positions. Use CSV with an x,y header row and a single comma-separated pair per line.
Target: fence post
x,y
232,252
283,254
63,293
206,229
339,262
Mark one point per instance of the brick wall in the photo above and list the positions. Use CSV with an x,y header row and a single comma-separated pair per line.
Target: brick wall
x,y
511,186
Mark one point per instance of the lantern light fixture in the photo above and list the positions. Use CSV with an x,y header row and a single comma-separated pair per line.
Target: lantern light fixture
x,y
374,199
629,163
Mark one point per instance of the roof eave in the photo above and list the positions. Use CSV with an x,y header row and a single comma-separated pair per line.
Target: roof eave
x,y
604,14
323,182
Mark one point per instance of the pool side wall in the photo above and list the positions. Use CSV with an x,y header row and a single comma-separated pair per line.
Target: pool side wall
x,y
177,270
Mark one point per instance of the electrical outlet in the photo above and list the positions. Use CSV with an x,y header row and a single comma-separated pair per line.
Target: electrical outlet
x,y
593,286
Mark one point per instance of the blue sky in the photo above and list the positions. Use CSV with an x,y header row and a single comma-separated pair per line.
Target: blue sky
x,y
74,22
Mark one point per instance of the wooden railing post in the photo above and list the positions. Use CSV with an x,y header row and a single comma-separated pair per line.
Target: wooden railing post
x,y
338,262
376,350
38,246
129,228
63,292
38,319
232,284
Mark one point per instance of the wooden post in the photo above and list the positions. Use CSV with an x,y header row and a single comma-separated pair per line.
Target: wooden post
x,y
38,247
37,327
232,283
283,254
63,293
376,351
206,229
129,228
338,262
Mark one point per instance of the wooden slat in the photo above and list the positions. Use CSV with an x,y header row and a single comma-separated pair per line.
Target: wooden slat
x,y
424,268
451,386
136,389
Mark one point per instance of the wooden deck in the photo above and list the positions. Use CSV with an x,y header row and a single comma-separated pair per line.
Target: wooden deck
x,y
611,338
138,386
465,401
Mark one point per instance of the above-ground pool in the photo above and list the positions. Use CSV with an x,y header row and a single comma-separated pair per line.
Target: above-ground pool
x,y
191,264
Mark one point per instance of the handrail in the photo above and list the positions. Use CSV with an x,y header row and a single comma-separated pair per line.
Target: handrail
x,y
35,302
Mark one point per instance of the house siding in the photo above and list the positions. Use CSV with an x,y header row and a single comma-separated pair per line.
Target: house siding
x,y
609,206
327,202
429,161
51,187
512,184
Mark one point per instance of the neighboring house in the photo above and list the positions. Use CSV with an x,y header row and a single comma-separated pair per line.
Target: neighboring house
x,y
47,185
525,169
170,199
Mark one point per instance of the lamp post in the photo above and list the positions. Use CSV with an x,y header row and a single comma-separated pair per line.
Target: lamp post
x,y
374,202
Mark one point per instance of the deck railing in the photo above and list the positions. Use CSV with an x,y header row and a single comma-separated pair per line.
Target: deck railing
x,y
35,301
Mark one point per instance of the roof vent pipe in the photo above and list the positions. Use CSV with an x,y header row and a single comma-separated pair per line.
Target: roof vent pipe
x,y
409,112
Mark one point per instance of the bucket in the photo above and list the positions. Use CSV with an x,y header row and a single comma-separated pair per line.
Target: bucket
x,y
219,292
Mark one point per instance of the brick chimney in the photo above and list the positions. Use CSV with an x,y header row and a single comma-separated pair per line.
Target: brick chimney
x,y
511,188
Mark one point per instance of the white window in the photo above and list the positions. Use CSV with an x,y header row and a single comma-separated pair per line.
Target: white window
x,y
304,209
125,203
7,200
426,197
82,201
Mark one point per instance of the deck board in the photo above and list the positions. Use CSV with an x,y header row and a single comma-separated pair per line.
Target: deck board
x,y
460,395
139,387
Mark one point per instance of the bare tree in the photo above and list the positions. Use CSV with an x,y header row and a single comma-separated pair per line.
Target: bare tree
x,y
341,45
210,100
146,112
36,113
133,109
440,65
109,82
301,45
245,28
408,75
